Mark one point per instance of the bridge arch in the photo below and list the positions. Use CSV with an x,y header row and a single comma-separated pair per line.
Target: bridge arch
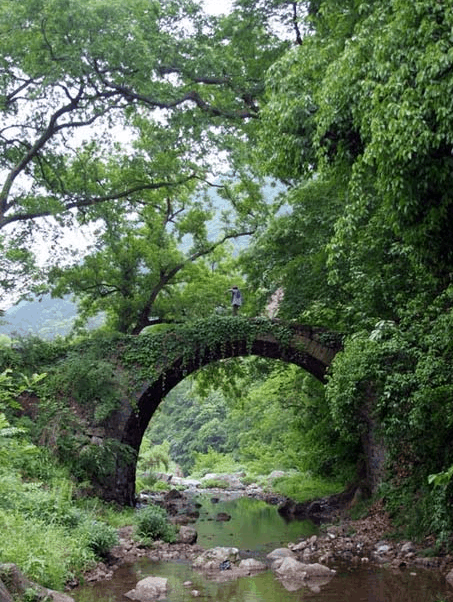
x,y
181,353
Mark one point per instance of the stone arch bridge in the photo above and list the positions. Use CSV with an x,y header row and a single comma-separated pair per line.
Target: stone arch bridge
x,y
154,364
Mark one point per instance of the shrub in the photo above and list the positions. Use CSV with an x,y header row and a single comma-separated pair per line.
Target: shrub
x,y
214,461
99,537
152,524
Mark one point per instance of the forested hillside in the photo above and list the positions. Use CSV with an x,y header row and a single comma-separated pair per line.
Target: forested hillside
x,y
121,119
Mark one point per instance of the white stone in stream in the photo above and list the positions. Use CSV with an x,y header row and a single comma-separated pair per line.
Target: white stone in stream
x,y
210,559
294,574
290,567
280,553
148,589
251,565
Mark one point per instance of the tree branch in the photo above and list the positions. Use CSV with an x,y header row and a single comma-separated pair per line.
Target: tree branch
x,y
296,25
143,318
90,201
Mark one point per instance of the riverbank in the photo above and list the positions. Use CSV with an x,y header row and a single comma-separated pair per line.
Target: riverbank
x,y
339,545
341,541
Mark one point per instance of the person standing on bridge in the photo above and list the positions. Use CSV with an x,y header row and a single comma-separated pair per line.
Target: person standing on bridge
x,y
236,299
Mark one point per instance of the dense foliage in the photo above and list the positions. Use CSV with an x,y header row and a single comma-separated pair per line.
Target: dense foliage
x,y
347,106
358,117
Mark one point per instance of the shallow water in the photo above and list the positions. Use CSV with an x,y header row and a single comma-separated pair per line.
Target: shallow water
x,y
255,528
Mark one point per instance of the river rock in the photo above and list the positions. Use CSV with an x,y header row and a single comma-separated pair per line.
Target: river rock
x,y
148,589
223,517
19,584
173,494
251,565
187,535
211,559
275,474
232,480
408,548
295,575
280,553
5,596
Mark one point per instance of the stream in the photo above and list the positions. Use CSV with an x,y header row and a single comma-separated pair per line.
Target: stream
x,y
256,528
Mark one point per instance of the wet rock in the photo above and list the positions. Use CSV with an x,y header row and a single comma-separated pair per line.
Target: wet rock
x,y
251,565
225,565
295,575
222,564
280,553
211,559
19,585
223,517
408,548
149,588
187,535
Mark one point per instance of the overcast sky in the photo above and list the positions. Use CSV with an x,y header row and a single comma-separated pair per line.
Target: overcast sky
x,y
216,7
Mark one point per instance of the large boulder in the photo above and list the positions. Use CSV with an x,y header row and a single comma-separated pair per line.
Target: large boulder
x,y
295,575
148,589
5,596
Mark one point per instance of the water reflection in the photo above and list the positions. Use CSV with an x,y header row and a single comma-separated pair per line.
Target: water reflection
x,y
254,526
361,585
257,527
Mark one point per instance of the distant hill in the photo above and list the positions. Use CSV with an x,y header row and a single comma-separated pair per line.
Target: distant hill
x,y
47,318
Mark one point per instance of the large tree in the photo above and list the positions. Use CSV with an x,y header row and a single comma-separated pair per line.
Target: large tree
x,y
363,105
75,76
161,259
366,100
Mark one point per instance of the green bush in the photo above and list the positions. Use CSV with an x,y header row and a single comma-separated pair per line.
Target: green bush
x,y
152,524
214,461
99,537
